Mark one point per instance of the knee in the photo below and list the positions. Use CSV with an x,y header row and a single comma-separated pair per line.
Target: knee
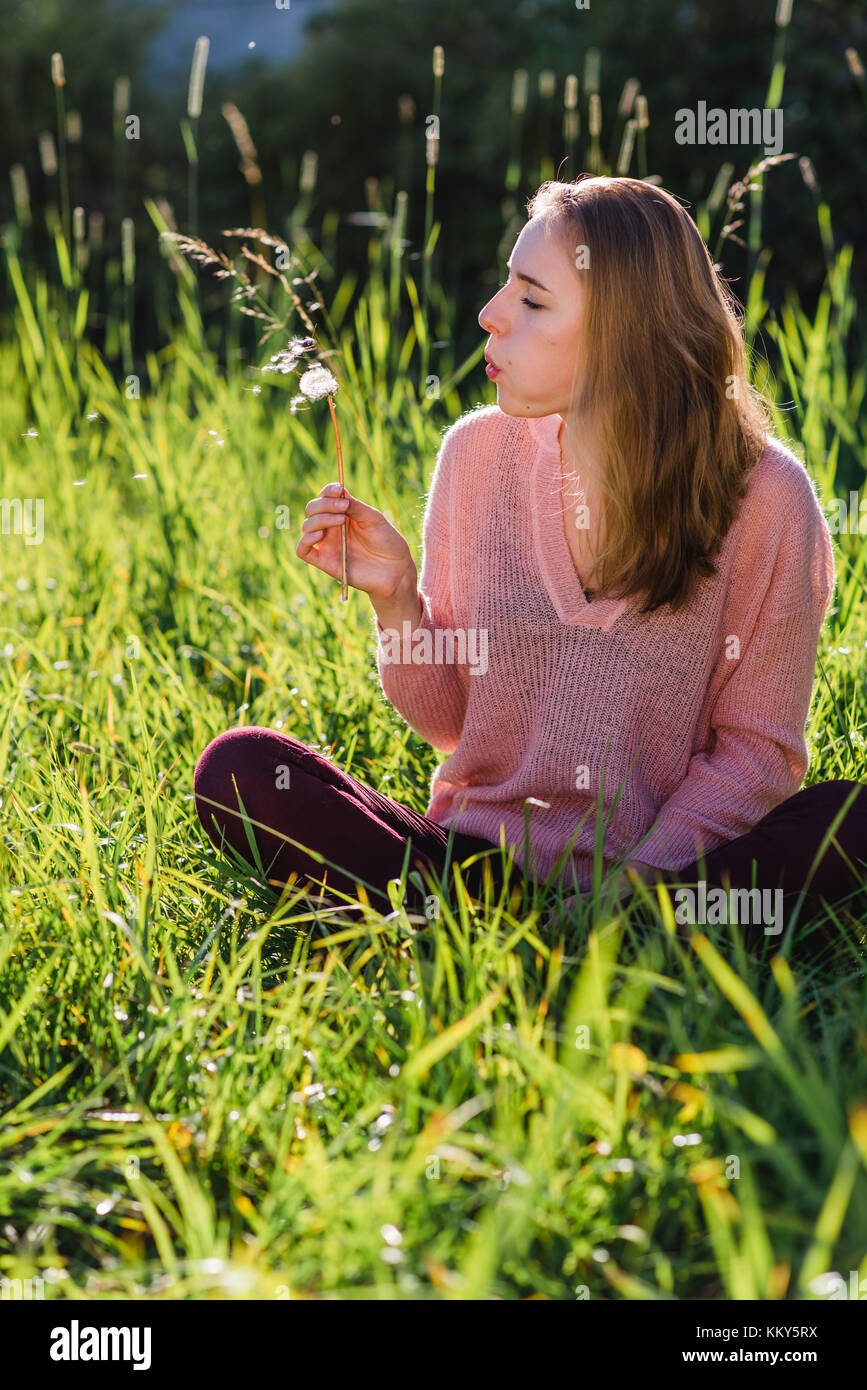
x,y
252,757
829,800
215,760
836,791
213,774
843,792
853,795
243,748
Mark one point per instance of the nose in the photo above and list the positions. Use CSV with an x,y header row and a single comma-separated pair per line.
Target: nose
x,y
486,317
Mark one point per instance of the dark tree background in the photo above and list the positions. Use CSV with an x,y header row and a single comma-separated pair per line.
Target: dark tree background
x,y
359,93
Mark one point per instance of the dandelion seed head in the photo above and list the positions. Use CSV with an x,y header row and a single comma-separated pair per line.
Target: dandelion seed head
x,y
318,382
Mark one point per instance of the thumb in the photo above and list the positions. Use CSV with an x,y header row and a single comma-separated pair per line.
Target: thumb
x,y
336,490
358,510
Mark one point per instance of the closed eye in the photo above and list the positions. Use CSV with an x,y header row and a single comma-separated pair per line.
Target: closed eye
x,y
529,302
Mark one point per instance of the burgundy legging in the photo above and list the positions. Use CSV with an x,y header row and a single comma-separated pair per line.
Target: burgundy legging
x,y
308,803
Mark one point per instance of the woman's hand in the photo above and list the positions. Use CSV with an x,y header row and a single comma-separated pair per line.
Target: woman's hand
x,y
378,558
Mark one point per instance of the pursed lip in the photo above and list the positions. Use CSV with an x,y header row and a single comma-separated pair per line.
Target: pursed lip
x,y
491,361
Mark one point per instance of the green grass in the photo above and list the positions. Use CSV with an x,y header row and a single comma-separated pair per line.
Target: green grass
x,y
207,1093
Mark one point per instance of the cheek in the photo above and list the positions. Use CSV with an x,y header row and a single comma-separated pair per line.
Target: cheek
x,y
553,354
563,351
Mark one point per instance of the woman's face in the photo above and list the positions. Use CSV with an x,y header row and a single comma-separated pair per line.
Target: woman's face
x,y
536,348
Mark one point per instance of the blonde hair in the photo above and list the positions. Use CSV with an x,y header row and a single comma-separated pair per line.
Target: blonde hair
x,y
663,377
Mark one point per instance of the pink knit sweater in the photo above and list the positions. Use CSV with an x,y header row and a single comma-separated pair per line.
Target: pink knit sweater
x,y
697,718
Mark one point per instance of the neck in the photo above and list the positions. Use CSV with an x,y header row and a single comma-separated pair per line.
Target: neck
x,y
580,451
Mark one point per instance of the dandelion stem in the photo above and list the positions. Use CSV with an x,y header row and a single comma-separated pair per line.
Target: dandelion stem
x,y
343,591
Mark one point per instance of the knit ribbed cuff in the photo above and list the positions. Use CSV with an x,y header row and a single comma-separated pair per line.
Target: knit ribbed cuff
x,y
425,620
673,844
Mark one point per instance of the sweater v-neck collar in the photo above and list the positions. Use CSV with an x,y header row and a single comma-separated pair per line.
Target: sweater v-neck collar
x,y
549,534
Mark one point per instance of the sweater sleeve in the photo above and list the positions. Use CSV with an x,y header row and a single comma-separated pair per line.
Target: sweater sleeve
x,y
758,753
418,678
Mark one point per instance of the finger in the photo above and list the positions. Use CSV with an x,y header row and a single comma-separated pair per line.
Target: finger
x,y
305,547
322,521
318,505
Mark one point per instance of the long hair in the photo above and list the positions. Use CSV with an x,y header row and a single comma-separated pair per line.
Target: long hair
x,y
663,376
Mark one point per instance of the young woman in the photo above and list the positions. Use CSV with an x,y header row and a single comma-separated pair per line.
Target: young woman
x,y
623,583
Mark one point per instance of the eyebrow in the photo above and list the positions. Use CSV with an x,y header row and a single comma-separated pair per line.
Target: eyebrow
x,y
529,279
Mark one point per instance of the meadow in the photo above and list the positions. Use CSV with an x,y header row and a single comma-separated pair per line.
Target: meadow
x,y
208,1092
